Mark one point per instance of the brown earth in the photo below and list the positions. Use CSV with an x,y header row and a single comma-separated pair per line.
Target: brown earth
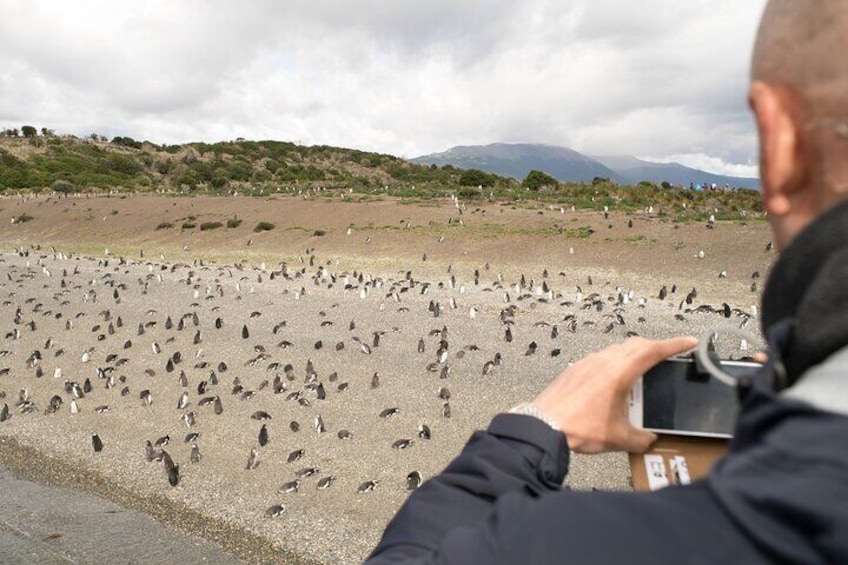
x,y
392,234
64,296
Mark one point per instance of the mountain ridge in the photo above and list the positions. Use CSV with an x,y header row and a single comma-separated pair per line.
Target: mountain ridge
x,y
515,160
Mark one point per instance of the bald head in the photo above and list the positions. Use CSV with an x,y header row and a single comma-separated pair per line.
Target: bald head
x,y
799,95
801,46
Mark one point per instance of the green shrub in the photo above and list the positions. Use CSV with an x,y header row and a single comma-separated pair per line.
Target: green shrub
x,y
62,186
164,226
468,193
206,226
476,177
263,226
23,218
233,223
539,179
319,233
188,225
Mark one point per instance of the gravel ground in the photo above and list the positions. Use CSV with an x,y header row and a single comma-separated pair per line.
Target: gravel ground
x,y
68,308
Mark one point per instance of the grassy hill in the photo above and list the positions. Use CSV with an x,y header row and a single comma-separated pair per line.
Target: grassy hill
x,y
66,164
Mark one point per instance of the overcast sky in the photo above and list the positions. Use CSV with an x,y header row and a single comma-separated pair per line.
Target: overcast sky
x,y
660,79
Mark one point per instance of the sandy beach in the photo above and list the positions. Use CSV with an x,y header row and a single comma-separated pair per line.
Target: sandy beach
x,y
322,318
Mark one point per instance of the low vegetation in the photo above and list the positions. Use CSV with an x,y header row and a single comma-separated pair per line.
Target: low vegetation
x,y
206,226
263,226
66,164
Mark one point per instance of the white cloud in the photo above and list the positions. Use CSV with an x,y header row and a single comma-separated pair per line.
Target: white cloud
x,y
644,77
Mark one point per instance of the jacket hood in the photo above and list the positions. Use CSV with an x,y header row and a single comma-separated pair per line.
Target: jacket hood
x,y
806,288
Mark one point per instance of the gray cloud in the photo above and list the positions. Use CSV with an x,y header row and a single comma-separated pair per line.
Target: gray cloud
x,y
654,78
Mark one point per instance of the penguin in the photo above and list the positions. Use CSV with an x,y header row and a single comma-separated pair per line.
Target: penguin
x,y
96,443
174,475
195,453
402,443
275,511
325,482
183,401
253,459
446,410
367,486
150,453
413,480
319,424
289,487
295,455
263,436
424,431
307,472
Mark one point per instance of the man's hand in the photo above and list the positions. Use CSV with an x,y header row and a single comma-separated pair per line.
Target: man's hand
x,y
588,400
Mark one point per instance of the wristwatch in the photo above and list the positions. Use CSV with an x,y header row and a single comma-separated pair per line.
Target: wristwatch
x,y
530,409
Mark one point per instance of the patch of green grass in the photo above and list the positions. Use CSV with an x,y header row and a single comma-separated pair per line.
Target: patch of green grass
x,y
206,226
188,225
233,223
164,226
264,226
583,232
634,238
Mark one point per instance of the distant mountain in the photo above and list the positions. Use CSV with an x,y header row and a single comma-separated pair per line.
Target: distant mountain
x,y
517,159
632,170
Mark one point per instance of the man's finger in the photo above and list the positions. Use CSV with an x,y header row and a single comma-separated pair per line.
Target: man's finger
x,y
652,352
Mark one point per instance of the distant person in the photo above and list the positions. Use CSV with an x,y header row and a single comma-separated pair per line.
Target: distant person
x,y
781,493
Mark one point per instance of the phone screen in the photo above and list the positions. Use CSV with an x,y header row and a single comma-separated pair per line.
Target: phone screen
x,y
676,399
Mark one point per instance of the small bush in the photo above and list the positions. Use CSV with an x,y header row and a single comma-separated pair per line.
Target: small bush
x,y
206,226
62,187
233,223
263,226
164,226
319,233
188,225
23,218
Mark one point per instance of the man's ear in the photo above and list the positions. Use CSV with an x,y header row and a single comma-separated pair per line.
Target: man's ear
x,y
781,163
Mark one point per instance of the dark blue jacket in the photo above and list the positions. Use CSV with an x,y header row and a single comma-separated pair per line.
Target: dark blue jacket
x,y
780,495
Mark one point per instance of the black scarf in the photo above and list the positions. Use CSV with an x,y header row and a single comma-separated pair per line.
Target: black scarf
x,y
809,286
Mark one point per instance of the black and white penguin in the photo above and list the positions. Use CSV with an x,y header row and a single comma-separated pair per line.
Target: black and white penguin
x,y
367,486
96,443
413,480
